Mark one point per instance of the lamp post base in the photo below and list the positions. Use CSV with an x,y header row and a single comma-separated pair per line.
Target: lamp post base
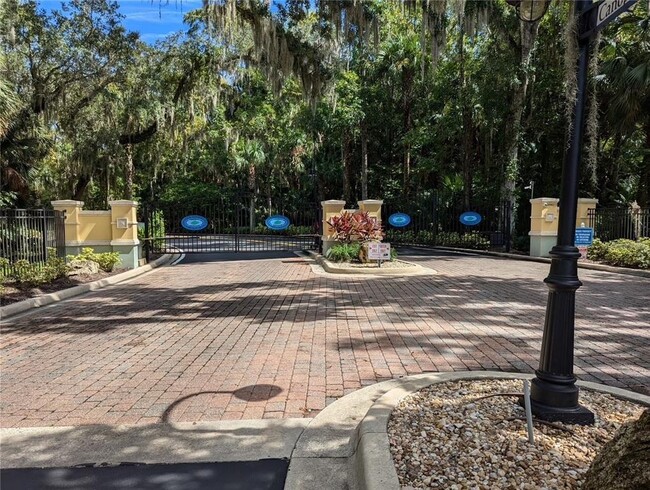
x,y
578,415
564,398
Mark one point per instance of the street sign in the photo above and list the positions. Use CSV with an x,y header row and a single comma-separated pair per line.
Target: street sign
x,y
378,251
601,14
584,237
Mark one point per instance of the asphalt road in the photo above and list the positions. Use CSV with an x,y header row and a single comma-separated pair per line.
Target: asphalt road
x,y
266,474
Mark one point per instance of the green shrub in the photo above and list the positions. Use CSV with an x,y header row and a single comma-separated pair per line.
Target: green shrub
x,y
393,254
106,260
473,240
27,274
344,252
624,253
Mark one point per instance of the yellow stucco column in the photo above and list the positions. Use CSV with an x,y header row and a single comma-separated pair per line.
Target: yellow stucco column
x,y
582,215
124,232
543,225
72,209
372,207
330,208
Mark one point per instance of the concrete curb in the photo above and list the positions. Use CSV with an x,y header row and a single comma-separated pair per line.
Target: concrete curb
x,y
181,442
372,466
595,267
333,268
28,304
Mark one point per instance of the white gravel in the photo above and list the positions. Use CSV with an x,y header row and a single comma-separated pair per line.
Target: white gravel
x,y
441,438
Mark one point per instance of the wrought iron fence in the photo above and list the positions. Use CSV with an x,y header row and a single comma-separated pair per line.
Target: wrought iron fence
x,y
227,225
615,223
30,234
433,223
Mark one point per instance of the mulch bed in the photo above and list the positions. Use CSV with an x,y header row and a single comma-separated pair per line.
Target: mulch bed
x,y
13,294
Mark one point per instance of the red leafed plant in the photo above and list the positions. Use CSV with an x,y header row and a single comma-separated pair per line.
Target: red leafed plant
x,y
349,227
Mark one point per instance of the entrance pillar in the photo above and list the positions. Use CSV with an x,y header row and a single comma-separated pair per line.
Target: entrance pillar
x,y
330,208
124,232
543,226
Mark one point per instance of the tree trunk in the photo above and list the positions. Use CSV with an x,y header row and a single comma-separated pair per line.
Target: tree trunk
x,y
347,171
128,174
251,205
643,193
528,35
467,121
364,161
408,76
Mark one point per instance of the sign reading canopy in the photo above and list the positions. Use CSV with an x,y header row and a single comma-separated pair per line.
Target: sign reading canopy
x,y
470,218
194,222
601,14
399,220
277,222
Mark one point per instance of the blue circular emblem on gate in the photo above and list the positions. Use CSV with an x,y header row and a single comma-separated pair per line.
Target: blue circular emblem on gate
x,y
277,222
194,222
470,218
399,220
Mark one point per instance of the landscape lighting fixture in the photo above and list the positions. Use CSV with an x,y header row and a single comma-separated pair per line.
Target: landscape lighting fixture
x,y
530,10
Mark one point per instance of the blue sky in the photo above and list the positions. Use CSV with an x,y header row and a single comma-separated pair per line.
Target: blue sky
x,y
152,19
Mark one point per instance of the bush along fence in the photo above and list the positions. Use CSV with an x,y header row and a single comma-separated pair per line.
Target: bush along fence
x,y
31,236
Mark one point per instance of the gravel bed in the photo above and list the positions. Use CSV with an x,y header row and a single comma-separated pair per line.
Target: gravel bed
x,y
395,264
440,437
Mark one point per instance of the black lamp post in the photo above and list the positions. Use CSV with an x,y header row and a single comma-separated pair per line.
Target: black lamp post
x,y
554,394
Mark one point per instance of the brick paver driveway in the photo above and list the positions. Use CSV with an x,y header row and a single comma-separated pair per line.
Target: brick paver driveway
x,y
271,338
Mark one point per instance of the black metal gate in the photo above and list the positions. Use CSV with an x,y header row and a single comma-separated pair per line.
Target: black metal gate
x,y
226,225
438,224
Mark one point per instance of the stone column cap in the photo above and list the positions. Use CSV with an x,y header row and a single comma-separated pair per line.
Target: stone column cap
x,y
590,200
67,203
122,202
372,201
553,200
333,201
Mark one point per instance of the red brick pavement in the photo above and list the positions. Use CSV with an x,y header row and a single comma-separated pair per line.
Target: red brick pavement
x,y
270,338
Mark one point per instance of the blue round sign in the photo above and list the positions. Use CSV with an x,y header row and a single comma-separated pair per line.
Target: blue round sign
x,y
399,220
470,218
194,222
277,222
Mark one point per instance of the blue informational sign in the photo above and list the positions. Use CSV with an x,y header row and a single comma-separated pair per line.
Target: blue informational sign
x,y
194,222
277,222
470,218
399,220
584,237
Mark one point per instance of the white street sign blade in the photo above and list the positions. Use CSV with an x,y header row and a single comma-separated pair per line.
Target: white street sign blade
x,y
601,14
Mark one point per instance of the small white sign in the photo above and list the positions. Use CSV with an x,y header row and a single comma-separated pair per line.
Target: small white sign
x,y
379,251
583,252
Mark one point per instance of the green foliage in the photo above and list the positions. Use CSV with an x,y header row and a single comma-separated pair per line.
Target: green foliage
x,y
344,252
27,274
473,240
624,253
106,260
